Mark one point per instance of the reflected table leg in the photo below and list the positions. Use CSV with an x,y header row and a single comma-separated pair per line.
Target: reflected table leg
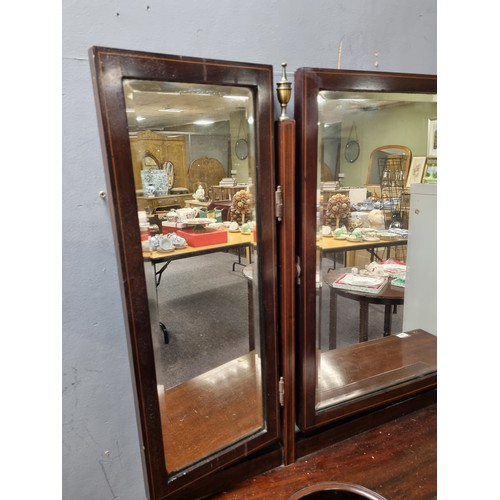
x,y
251,333
158,274
363,319
388,319
333,319
248,273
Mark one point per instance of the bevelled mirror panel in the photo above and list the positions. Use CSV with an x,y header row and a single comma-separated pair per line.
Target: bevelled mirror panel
x,y
364,140
189,153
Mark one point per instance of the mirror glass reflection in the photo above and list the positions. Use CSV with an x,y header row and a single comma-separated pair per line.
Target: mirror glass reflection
x,y
361,231
196,200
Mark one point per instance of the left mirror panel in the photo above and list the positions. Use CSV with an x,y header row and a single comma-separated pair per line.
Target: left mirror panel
x,y
194,232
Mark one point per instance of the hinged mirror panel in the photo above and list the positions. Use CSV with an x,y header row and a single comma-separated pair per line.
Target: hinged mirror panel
x,y
193,216
353,238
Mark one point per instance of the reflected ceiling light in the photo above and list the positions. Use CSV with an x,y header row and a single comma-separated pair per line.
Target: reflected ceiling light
x,y
250,120
166,109
204,122
140,118
236,97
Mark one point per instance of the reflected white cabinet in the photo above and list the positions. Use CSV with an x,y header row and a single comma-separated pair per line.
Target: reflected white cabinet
x,y
420,310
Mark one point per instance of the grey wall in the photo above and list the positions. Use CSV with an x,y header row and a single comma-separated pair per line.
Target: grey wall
x,y
101,448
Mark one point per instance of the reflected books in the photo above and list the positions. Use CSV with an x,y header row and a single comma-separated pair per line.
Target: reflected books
x,y
361,283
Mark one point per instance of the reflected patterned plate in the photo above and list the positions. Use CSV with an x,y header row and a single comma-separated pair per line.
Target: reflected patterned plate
x,y
198,221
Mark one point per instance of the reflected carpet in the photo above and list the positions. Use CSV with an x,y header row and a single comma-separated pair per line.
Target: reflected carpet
x,y
203,304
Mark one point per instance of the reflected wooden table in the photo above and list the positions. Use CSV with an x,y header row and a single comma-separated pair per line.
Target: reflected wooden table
x,y
330,245
160,260
228,398
235,241
359,369
390,297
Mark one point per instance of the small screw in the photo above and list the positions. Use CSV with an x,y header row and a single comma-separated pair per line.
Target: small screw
x,y
102,194
417,211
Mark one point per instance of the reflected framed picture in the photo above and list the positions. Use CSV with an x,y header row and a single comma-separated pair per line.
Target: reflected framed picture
x,y
432,147
416,170
430,176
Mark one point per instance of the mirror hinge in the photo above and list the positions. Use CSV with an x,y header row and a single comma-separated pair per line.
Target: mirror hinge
x,y
281,391
298,270
278,201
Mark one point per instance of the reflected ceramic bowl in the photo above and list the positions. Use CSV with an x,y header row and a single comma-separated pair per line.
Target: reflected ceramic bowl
x,y
186,213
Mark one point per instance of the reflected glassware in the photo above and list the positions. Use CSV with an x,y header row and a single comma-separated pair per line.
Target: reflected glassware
x,y
396,221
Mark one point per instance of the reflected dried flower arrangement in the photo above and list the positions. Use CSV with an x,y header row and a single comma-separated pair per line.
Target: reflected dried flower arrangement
x,y
338,208
242,207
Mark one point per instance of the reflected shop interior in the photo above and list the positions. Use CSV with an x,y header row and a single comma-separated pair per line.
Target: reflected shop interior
x,y
217,287
192,176
193,156
378,143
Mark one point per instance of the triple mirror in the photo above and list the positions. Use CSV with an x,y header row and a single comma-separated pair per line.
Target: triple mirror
x,y
199,275
189,154
354,234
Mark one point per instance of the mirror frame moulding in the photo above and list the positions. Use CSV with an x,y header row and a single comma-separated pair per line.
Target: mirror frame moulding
x,y
109,66
308,82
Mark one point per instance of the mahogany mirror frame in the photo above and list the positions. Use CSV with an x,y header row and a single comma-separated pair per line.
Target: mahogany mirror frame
x,y
308,83
109,68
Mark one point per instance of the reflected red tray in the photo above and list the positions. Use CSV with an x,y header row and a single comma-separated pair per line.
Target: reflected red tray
x,y
200,239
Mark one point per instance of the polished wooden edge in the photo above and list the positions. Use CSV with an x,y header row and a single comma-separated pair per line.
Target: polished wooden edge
x,y
334,433
286,234
246,468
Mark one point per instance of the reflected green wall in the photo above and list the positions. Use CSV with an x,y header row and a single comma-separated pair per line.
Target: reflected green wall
x,y
394,126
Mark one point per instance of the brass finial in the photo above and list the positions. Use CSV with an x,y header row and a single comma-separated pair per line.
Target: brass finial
x,y
284,89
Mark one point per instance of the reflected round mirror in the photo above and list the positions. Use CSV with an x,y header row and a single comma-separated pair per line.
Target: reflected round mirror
x,y
241,149
352,151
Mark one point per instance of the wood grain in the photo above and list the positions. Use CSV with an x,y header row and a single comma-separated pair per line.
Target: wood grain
x,y
396,460
211,411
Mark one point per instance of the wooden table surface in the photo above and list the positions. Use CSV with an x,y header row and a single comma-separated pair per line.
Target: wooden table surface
x,y
330,244
397,460
230,396
211,411
389,297
371,366
234,240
